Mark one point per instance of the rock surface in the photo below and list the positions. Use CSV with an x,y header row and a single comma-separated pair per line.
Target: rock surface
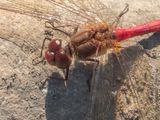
x,y
129,91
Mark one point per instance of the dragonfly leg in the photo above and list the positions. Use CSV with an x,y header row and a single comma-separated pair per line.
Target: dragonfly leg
x,y
40,59
75,30
51,24
66,76
89,82
43,83
48,33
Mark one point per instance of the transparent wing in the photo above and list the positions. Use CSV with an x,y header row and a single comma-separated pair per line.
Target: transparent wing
x,y
111,90
122,87
74,11
33,8
28,25
85,11
138,83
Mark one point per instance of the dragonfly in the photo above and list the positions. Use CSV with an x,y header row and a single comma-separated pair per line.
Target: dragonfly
x,y
84,14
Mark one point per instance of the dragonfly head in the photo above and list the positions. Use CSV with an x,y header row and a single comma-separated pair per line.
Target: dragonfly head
x,y
56,55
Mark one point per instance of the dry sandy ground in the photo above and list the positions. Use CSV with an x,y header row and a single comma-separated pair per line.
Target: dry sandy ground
x,y
131,94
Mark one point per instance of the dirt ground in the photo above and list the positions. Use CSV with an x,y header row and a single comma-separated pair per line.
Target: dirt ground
x,y
130,91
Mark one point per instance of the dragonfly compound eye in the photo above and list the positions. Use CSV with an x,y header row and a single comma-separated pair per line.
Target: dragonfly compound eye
x,y
54,45
50,57
62,60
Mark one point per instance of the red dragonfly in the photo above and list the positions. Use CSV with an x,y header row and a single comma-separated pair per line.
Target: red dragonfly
x,y
93,40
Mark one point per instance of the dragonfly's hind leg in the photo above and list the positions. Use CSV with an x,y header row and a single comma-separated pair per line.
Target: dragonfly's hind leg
x,y
89,81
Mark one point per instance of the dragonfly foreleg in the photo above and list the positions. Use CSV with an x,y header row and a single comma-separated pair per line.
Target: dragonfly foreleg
x,y
40,59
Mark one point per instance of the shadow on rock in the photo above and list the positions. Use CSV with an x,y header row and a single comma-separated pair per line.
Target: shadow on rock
x,y
108,81
151,42
77,103
69,103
